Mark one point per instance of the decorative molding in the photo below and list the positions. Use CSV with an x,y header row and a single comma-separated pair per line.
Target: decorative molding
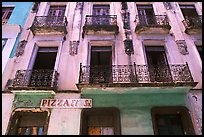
x,y
182,46
128,47
20,48
79,6
167,5
73,47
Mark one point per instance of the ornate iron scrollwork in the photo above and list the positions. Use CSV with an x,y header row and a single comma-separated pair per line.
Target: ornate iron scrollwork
x,y
182,47
20,48
135,74
73,47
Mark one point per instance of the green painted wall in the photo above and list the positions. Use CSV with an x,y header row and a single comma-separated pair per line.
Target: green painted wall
x,y
30,99
135,107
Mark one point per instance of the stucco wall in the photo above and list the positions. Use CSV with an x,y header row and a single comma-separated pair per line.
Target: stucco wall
x,y
18,17
7,102
64,121
135,108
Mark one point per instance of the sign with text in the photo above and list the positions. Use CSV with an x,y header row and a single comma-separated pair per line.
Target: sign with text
x,y
66,103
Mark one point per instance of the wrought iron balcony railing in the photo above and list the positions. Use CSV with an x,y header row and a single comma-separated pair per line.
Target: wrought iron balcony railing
x,y
47,24
101,20
152,20
96,23
193,22
40,78
49,21
134,74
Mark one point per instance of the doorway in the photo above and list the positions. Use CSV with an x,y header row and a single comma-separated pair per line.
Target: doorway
x,y
101,64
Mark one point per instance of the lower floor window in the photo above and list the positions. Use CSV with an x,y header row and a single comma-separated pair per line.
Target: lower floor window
x,y
28,123
172,121
100,130
30,131
100,121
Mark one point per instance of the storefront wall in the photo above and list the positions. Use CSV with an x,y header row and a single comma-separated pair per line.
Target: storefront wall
x,y
135,108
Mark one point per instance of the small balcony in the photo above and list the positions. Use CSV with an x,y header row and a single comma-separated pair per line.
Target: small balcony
x,y
49,25
40,79
152,24
135,76
193,25
100,24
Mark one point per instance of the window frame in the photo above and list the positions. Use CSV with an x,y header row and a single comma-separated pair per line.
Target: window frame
x,y
13,128
184,115
7,11
111,111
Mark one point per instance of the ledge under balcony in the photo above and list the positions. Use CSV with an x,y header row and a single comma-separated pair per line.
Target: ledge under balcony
x,y
152,24
35,80
100,24
130,76
49,25
193,25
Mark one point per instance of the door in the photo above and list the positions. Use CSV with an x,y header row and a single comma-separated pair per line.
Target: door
x,y
43,69
157,64
146,14
100,13
101,64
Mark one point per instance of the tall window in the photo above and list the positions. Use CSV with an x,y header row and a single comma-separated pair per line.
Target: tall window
x,y
172,121
100,121
145,13
28,123
43,68
101,63
188,10
101,9
56,14
56,10
99,12
157,64
6,13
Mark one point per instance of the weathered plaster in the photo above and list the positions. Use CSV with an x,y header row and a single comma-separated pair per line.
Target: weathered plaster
x,y
134,108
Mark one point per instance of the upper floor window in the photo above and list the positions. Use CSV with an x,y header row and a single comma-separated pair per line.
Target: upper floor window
x,y
159,70
6,13
57,10
145,14
188,10
101,9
